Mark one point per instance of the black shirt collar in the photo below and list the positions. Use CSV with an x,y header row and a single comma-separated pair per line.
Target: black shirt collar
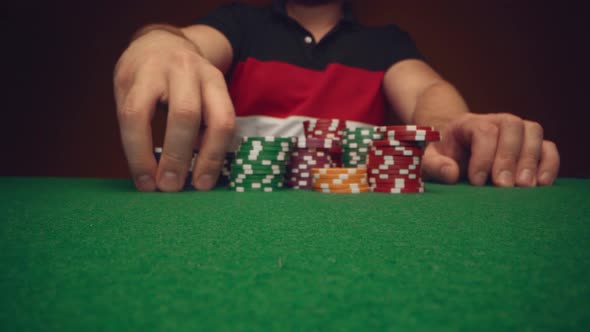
x,y
280,7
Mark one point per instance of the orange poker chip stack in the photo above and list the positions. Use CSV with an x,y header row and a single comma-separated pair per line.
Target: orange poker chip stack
x,y
340,180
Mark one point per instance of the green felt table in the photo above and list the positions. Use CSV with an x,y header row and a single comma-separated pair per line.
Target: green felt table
x,y
94,254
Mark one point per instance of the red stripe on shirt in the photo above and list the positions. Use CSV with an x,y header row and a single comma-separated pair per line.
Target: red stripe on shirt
x,y
281,90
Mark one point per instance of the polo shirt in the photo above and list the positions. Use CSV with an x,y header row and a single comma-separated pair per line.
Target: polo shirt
x,y
281,76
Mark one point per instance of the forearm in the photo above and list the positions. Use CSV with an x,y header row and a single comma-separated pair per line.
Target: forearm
x,y
439,104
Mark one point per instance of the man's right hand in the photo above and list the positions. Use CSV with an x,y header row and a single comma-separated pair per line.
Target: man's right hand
x,y
162,66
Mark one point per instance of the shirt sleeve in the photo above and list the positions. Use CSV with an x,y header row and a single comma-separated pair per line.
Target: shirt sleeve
x,y
230,20
403,46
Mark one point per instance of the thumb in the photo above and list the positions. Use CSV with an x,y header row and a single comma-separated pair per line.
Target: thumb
x,y
438,167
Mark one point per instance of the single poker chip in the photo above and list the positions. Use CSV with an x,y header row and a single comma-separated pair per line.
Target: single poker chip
x,y
394,149
267,139
397,152
306,152
235,173
246,189
394,159
393,174
381,129
338,176
311,161
259,177
397,190
371,166
415,138
257,185
392,143
264,161
344,191
314,142
263,149
385,178
246,181
356,186
339,171
321,181
385,185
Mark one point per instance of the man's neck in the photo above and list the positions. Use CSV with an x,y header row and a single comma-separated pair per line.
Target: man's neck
x,y
318,19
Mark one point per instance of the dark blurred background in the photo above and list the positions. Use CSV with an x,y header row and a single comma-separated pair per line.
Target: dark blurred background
x,y
525,57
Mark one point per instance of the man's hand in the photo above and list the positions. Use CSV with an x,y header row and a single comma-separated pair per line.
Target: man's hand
x,y
162,66
503,147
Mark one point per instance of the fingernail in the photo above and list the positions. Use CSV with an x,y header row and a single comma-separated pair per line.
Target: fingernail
x,y
481,178
169,180
145,182
546,178
205,182
505,178
526,177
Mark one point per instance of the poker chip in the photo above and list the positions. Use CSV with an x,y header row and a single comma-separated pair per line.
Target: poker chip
x,y
394,161
355,146
330,130
260,164
340,180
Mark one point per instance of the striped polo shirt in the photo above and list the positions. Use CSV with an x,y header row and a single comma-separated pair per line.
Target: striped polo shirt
x,y
281,76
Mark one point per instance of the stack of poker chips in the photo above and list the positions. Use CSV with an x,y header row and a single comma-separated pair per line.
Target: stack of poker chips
x,y
355,146
394,162
340,180
223,179
259,164
327,129
308,153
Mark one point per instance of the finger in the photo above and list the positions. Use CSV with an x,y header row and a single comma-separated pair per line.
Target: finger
x,y
510,140
549,166
134,112
184,118
530,155
438,167
219,117
482,138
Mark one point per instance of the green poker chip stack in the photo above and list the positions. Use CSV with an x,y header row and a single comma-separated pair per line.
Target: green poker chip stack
x,y
355,146
260,164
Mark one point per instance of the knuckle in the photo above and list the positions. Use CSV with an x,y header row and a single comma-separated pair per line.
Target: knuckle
x,y
130,109
122,77
174,158
512,121
184,59
529,158
486,129
186,110
510,118
505,158
535,128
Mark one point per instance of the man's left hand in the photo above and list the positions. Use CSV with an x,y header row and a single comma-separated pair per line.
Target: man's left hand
x,y
502,147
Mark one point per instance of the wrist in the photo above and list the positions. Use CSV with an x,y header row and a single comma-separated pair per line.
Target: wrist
x,y
157,27
164,28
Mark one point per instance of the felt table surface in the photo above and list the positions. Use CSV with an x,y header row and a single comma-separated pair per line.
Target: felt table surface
x,y
94,254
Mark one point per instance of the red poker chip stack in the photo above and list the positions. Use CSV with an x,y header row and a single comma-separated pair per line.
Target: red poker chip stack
x,y
394,162
332,129
308,153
